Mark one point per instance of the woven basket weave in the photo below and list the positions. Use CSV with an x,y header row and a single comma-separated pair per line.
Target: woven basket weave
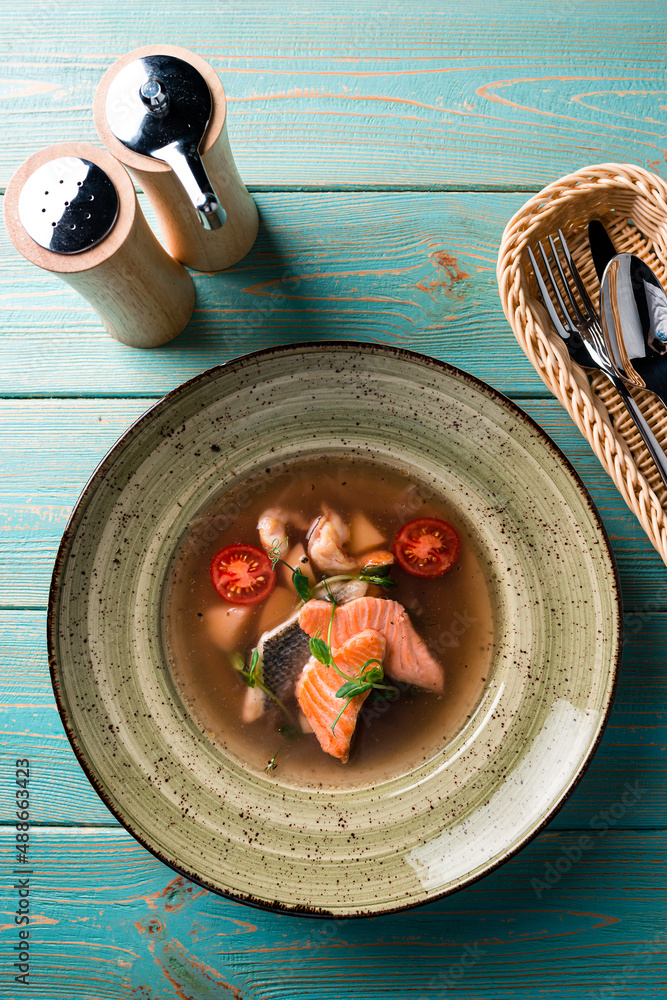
x,y
632,203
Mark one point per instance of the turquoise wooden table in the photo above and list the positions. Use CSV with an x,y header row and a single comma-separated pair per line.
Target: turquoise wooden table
x,y
386,145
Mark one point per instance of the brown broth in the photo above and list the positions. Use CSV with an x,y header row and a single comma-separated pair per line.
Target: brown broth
x,y
453,613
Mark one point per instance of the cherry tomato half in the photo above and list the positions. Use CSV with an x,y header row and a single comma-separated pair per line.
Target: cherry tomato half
x,y
427,546
242,574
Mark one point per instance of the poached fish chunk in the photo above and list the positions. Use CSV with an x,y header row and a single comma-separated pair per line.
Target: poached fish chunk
x,y
317,686
407,657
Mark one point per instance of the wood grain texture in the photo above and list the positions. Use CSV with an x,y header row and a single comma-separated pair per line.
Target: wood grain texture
x,y
368,93
371,131
412,270
632,748
119,925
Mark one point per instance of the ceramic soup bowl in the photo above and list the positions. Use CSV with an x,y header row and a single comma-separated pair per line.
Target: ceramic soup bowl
x,y
421,832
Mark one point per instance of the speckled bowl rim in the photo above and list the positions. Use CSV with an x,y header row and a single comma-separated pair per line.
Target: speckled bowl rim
x,y
162,405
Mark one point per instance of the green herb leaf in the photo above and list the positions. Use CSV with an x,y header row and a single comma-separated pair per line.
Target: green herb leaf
x,y
373,675
301,585
251,676
247,673
375,571
350,689
384,693
321,651
237,662
379,581
289,732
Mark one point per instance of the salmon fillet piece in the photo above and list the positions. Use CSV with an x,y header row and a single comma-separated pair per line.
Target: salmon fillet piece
x,y
316,691
407,658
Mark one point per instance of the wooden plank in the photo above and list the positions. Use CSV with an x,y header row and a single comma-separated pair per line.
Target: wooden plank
x,y
30,727
49,448
429,97
110,922
632,748
411,270
365,94
41,479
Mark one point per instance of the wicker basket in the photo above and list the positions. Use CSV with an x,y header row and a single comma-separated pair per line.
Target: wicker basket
x,y
632,203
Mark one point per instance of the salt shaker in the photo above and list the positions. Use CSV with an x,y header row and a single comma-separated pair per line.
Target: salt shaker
x,y
71,209
161,111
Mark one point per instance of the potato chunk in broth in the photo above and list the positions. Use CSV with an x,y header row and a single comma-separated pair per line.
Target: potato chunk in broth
x,y
452,614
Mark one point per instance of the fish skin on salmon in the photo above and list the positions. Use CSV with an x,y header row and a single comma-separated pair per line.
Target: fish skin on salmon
x,y
407,658
317,686
283,651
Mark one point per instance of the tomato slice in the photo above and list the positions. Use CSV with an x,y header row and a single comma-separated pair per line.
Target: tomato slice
x,y
242,574
427,546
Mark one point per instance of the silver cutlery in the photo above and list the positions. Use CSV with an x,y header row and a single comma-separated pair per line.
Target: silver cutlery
x,y
633,308
576,321
601,246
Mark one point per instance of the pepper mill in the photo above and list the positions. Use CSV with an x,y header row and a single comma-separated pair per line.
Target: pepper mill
x,y
161,111
72,210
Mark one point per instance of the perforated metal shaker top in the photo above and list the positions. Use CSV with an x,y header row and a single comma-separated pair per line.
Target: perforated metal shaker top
x,y
68,205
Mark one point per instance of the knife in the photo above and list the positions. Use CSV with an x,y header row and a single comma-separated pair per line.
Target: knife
x,y
602,248
633,307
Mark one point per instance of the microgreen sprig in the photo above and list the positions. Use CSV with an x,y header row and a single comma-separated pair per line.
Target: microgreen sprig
x,y
299,579
248,673
370,676
251,675
379,575
277,551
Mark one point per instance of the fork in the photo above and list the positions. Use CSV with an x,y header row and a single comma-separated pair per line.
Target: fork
x,y
578,324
